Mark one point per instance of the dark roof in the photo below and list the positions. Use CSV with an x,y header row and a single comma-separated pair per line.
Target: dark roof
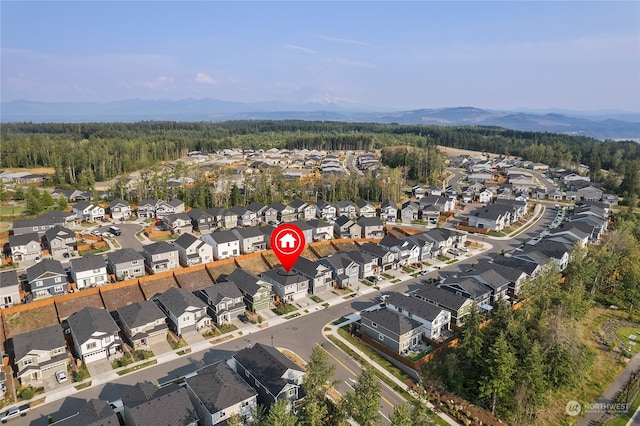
x,y
219,387
177,300
304,226
296,204
483,268
414,306
49,218
88,262
441,297
219,291
45,339
165,408
278,206
245,280
374,249
389,241
238,210
23,239
124,255
255,206
186,240
8,278
215,211
95,412
52,233
369,221
117,201
149,201
306,266
339,260
248,232
51,266
471,286
392,321
89,320
491,212
317,223
361,257
81,205
389,204
267,230
515,263
342,220
267,365
139,314
197,214
175,202
159,248
548,248
221,237
280,276
141,392
363,203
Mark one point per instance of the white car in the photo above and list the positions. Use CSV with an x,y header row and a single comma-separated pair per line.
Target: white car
x,y
454,252
61,376
108,235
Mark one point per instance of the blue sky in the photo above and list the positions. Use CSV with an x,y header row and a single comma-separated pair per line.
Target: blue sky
x,y
379,55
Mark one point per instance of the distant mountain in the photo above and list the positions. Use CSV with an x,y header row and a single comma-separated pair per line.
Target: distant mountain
x,y
600,125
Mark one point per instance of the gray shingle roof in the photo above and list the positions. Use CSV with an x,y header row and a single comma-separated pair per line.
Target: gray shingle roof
x,y
49,218
159,248
392,321
471,286
52,233
186,240
87,262
414,306
51,266
221,237
95,412
124,255
89,320
219,387
139,314
219,291
306,266
249,232
172,408
8,278
267,365
45,339
369,221
245,280
23,239
177,300
280,276
441,297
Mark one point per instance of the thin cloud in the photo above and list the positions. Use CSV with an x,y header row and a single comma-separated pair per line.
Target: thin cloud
x,y
299,48
345,41
353,63
206,79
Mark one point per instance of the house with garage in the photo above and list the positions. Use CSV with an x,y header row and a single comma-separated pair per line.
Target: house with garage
x,y
442,204
494,217
47,278
386,259
371,227
225,244
388,211
365,209
250,239
325,210
304,211
424,244
89,270
391,329
430,214
435,320
95,334
285,213
161,256
307,230
545,250
246,217
95,412
41,223
166,208
458,305
229,219
147,208
146,404
346,208
120,209
270,373
224,300
60,241
178,223
265,214
367,263
125,264
142,323
25,247
38,354
256,292
346,272
218,393
202,221
87,211
345,227
287,286
192,250
322,231
470,288
320,277
410,211
9,288
184,311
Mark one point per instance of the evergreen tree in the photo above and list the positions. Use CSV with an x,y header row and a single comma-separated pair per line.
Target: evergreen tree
x,y
319,375
402,415
500,366
280,415
46,200
471,336
363,403
33,205
313,413
62,203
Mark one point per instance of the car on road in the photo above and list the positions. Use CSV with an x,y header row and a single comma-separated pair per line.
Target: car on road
x,y
96,233
423,272
14,412
454,252
61,376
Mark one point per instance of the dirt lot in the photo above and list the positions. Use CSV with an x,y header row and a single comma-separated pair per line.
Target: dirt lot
x,y
346,246
272,259
217,271
325,250
120,297
451,152
255,265
152,288
307,253
32,319
194,280
35,170
68,307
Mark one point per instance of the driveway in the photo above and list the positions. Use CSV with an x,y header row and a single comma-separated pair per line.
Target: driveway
x,y
192,337
99,367
160,347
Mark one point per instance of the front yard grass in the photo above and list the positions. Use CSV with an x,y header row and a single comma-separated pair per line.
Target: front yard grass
x,y
176,344
137,367
284,308
316,298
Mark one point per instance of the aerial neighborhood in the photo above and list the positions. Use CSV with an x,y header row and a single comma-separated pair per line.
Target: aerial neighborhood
x,y
131,278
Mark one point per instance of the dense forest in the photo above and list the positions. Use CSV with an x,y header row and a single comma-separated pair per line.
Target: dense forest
x,y
86,152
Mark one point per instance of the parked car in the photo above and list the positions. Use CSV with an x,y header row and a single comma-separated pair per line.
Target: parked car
x,y
372,278
463,249
14,412
244,319
108,235
454,252
61,376
423,272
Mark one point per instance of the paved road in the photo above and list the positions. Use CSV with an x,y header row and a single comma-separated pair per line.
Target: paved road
x,y
128,237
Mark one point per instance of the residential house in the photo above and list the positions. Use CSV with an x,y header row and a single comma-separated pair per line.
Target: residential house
x,y
95,334
147,208
146,404
184,311
434,320
371,227
193,250
418,191
435,190
442,240
517,208
178,223
47,278
288,286
424,244
246,217
494,217
571,233
496,277
410,212
224,300
270,373
265,214
470,288
85,210
60,241
367,263
322,231
256,292
389,211
480,177
345,227
25,247
304,211
9,288
41,223
218,393
225,244
89,271
532,269
250,239
285,213
346,208
430,214
125,264
307,230
216,213
142,323
459,305
229,219
443,204
202,222
120,209
325,210
386,259
391,329
545,250
346,272
40,353
320,277
94,412
173,206
406,251
161,256
72,195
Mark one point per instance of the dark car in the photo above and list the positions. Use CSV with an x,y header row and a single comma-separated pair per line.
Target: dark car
x,y
244,319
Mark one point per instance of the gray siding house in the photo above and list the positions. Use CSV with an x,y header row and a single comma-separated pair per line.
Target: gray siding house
x,y
39,354
391,329
320,276
224,300
25,247
142,323
161,256
125,264
60,241
47,278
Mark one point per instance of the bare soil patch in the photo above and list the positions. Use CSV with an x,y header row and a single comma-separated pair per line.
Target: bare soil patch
x,y
452,152
194,280
307,253
271,259
219,270
21,322
151,288
346,246
35,170
120,297
255,265
68,307
325,250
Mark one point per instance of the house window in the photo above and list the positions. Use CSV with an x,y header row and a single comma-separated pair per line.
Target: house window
x,y
28,361
58,279
137,270
381,337
38,283
95,271
224,253
134,262
92,345
292,392
58,289
106,340
187,318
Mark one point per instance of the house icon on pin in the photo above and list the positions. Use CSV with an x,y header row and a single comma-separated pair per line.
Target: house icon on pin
x,y
287,241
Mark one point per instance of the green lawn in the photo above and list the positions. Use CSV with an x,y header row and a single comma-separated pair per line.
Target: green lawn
x,y
623,419
283,309
11,210
623,334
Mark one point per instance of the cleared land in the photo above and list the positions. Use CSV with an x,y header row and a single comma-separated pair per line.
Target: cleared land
x,y
68,307
255,265
32,319
325,250
346,246
194,280
151,288
307,253
120,297
219,270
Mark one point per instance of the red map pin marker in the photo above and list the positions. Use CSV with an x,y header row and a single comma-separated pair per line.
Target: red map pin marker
x,y
287,242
